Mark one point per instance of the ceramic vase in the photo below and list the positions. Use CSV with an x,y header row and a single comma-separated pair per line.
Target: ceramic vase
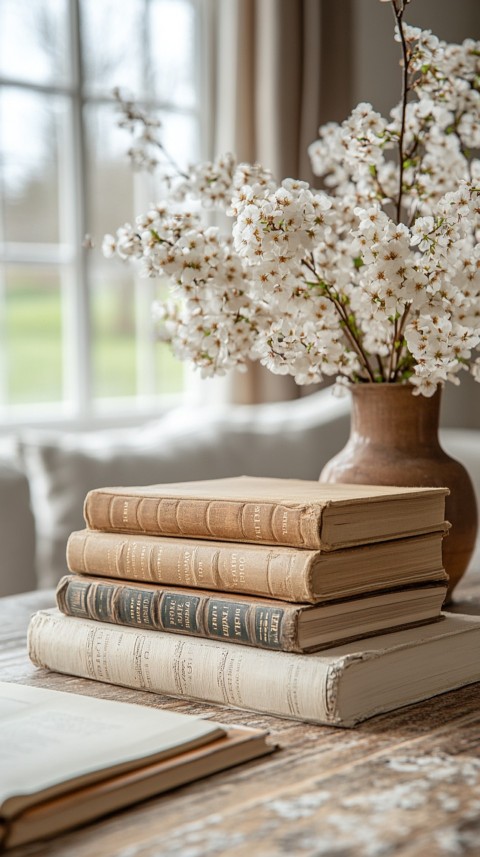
x,y
394,441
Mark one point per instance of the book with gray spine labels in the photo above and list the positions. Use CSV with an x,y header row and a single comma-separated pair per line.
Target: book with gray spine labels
x,y
262,622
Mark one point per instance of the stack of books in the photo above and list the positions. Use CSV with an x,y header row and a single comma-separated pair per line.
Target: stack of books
x,y
306,600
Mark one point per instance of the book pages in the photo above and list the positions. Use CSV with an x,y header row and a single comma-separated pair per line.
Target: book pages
x,y
50,737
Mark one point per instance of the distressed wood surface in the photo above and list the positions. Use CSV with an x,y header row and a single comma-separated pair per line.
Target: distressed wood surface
x,y
406,782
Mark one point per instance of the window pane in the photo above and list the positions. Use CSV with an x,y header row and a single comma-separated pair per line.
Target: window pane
x,y
180,136
119,317
33,316
32,128
147,47
172,49
113,333
113,47
33,40
110,179
170,375
160,373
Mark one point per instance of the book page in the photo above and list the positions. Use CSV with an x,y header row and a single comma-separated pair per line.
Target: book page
x,y
49,738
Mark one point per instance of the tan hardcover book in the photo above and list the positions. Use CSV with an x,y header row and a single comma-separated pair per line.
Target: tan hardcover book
x,y
67,759
339,686
270,571
294,512
264,623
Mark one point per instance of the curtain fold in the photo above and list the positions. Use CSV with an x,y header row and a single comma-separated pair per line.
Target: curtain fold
x,y
283,68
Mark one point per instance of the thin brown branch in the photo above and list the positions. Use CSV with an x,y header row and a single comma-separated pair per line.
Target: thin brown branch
x,y
398,10
400,338
354,341
392,350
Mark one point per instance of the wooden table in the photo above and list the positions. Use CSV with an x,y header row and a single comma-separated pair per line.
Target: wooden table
x,y
407,782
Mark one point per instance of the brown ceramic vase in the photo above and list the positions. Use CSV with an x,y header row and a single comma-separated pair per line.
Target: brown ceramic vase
x,y
394,441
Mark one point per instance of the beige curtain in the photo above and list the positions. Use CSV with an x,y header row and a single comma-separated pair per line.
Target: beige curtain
x,y
283,68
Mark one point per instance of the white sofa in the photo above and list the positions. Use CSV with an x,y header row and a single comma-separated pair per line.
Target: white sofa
x,y
44,475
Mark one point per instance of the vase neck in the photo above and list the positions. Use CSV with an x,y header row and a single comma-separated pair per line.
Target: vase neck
x,y
390,414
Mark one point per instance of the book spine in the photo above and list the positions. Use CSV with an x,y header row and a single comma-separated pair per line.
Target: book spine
x,y
261,625
283,573
226,520
286,685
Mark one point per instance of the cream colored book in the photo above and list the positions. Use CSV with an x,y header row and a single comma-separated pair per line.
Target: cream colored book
x,y
339,686
66,759
295,512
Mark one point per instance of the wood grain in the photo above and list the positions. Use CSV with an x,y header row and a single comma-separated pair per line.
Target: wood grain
x,y
406,782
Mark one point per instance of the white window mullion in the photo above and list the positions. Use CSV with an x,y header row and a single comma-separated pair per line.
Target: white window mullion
x,y
206,73
145,347
77,377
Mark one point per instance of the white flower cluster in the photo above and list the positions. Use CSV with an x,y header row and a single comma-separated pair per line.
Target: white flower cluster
x,y
210,317
377,278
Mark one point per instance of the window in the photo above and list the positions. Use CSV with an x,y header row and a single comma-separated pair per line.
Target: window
x,y
77,338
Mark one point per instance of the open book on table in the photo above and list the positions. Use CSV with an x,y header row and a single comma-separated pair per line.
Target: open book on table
x,y
67,759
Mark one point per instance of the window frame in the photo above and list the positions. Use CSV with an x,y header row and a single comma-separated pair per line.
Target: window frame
x,y
78,409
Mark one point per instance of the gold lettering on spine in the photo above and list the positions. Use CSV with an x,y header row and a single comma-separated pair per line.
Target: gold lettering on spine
x,y
263,627
214,618
237,627
128,560
257,522
225,629
274,625
133,556
285,523
187,577
237,570
233,570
